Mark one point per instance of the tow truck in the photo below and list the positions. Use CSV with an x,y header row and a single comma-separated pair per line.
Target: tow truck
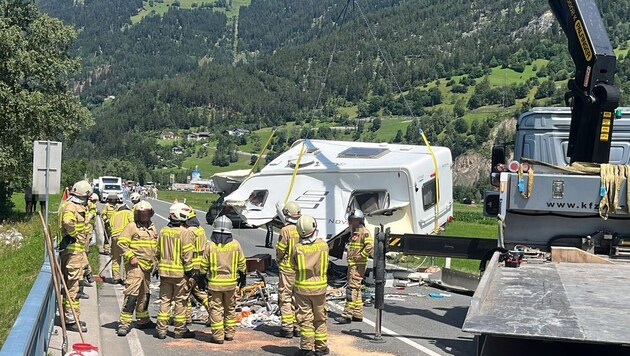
x,y
556,280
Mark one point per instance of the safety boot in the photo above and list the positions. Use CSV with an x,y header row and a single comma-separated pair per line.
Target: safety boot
x,y
74,327
284,333
84,283
160,335
185,335
122,330
343,320
296,333
82,295
322,352
215,341
357,319
229,338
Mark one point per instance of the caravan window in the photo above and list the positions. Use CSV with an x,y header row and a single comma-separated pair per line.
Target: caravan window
x,y
429,194
258,197
369,201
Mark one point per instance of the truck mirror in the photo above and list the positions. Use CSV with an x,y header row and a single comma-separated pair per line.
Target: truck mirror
x,y
498,156
491,203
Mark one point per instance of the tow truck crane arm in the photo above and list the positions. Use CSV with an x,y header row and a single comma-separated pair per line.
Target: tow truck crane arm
x,y
593,96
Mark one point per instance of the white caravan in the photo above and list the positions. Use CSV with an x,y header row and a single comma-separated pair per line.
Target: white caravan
x,y
394,185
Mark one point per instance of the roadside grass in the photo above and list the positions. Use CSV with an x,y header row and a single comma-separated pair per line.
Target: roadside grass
x,y
20,266
207,169
199,201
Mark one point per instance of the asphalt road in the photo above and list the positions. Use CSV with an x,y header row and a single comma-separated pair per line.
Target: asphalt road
x,y
413,322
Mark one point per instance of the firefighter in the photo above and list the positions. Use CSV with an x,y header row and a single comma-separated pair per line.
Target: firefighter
x,y
309,258
88,279
71,248
288,238
138,243
108,210
175,266
117,222
360,247
198,287
223,258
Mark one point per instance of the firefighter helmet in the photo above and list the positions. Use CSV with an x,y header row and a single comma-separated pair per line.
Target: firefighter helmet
x,y
135,198
292,211
142,207
179,212
356,214
82,189
222,224
94,197
306,226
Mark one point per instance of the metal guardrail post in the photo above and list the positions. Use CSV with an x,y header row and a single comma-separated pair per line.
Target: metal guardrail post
x,y
30,333
379,281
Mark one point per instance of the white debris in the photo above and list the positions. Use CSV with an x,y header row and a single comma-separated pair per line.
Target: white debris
x,y
11,237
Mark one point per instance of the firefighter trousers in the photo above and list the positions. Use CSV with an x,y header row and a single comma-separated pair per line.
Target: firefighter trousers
x,y
287,304
311,316
172,290
354,300
200,295
72,269
116,257
137,295
223,314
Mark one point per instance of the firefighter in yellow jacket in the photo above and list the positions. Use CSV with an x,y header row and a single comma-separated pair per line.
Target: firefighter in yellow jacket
x,y
71,248
117,223
198,287
175,263
310,262
222,260
288,238
138,244
360,247
108,211
89,229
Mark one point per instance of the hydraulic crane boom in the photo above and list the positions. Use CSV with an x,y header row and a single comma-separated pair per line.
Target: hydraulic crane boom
x,y
593,97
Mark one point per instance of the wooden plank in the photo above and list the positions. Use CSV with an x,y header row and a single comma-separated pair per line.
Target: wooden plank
x,y
575,255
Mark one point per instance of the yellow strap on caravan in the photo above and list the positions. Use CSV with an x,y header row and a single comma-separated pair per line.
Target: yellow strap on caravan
x,y
273,132
295,170
436,223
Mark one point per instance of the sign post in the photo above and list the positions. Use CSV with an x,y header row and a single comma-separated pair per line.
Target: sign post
x,y
46,169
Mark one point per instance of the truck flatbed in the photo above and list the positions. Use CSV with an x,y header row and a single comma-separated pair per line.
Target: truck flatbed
x,y
572,302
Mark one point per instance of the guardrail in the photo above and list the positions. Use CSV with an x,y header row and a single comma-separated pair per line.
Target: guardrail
x,y
30,333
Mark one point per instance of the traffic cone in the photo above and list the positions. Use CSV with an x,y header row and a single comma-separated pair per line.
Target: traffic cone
x,y
65,195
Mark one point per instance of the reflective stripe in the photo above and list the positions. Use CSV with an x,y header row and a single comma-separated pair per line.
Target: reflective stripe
x,y
364,254
354,263
126,317
230,322
163,316
321,336
307,331
217,325
144,314
357,245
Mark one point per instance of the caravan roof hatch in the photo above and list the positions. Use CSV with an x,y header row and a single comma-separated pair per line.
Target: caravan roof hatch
x,y
363,152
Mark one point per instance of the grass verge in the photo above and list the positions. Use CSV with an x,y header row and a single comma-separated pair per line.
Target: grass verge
x,y
200,201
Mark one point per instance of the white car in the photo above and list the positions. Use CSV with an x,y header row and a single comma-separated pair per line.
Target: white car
x,y
109,189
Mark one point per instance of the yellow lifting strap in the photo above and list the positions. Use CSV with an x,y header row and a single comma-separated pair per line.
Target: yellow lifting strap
x,y
526,193
436,222
611,177
262,153
295,170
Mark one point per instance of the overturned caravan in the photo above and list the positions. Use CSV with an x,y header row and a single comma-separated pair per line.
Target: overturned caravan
x,y
394,185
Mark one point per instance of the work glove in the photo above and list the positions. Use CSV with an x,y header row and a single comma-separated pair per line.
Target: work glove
x,y
193,273
156,272
202,281
242,279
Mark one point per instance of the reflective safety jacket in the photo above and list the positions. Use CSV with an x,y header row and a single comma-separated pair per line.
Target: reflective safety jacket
x,y
73,231
360,244
174,252
139,242
221,262
108,211
288,238
198,235
91,216
119,220
310,262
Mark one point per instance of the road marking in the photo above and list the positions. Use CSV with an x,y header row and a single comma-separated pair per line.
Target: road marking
x,y
132,338
165,202
390,332
160,216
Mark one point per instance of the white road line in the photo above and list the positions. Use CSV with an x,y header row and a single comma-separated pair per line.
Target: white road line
x,y
132,338
390,332
161,217
165,202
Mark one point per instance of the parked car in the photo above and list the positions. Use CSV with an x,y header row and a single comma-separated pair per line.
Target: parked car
x,y
218,208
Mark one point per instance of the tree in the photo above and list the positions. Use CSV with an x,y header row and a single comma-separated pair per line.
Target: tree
x,y
399,136
35,99
363,109
376,124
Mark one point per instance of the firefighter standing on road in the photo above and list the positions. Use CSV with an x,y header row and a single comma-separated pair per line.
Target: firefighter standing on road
x,y
135,198
138,244
73,232
108,211
198,287
288,238
118,221
310,261
175,263
90,221
360,247
223,258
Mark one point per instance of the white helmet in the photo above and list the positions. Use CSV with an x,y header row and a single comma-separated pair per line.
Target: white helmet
x,y
81,189
222,224
142,207
179,212
306,226
356,214
94,197
292,211
135,198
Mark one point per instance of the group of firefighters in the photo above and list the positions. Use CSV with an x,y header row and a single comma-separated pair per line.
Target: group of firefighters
x,y
211,270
